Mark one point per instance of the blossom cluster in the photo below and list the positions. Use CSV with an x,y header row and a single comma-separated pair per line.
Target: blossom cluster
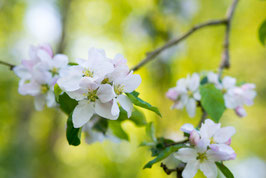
x,y
208,145
186,94
39,74
99,85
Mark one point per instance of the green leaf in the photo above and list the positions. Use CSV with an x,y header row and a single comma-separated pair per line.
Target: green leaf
x,y
67,104
204,80
72,64
262,33
136,116
150,131
164,154
139,102
57,92
226,172
212,101
117,129
72,134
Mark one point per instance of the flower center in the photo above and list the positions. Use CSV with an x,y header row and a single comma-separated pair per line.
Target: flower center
x,y
44,88
106,81
54,71
201,157
88,73
212,140
92,95
190,94
119,89
224,90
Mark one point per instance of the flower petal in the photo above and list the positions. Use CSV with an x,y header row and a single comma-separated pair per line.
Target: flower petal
x,y
105,93
220,152
209,169
186,154
193,82
191,107
131,82
228,82
50,99
191,169
187,128
126,104
104,110
60,60
115,108
82,113
209,128
39,102
224,134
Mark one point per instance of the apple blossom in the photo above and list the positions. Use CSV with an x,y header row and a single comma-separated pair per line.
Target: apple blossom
x,y
186,94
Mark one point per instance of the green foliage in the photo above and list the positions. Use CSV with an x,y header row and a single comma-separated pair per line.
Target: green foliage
x,y
164,154
72,134
204,80
137,117
66,103
150,131
57,92
72,64
117,129
262,32
101,125
212,101
139,102
226,172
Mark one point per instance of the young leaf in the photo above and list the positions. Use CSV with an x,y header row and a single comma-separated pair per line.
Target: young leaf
x,y
150,131
67,104
117,129
139,102
164,154
262,33
72,64
226,172
136,116
57,92
212,101
72,134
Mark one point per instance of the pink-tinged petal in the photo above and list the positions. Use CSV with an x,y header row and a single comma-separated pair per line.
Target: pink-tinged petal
x,y
224,134
126,104
240,111
131,82
228,142
172,94
228,82
248,86
22,72
105,93
44,56
202,145
29,64
220,152
194,137
209,128
187,128
194,82
186,154
191,169
82,113
39,102
47,48
104,110
115,108
191,107
31,88
209,169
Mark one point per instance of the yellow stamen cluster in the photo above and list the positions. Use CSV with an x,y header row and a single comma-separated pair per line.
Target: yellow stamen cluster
x,y
190,93
106,81
88,73
92,95
44,88
119,89
54,71
202,157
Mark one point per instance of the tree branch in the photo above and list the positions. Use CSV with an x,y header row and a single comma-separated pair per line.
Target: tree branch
x,y
11,66
168,171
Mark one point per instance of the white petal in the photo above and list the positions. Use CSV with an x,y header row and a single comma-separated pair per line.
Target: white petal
x,y
209,128
209,169
187,128
39,102
228,82
31,88
103,68
186,154
191,169
50,99
60,60
224,134
194,82
240,111
78,95
191,107
220,152
131,82
196,95
202,145
126,104
104,110
82,113
22,72
88,83
213,78
44,56
70,78
105,93
115,108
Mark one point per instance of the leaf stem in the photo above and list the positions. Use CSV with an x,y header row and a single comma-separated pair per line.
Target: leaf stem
x,y
11,66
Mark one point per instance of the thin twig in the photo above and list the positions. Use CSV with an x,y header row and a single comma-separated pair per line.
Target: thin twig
x,y
11,66
225,62
168,171
175,143
151,55
203,117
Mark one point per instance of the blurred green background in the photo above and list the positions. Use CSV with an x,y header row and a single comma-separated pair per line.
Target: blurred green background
x,y
33,144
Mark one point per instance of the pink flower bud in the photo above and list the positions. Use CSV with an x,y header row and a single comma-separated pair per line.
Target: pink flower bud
x,y
187,128
172,94
228,142
194,137
240,111
47,48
